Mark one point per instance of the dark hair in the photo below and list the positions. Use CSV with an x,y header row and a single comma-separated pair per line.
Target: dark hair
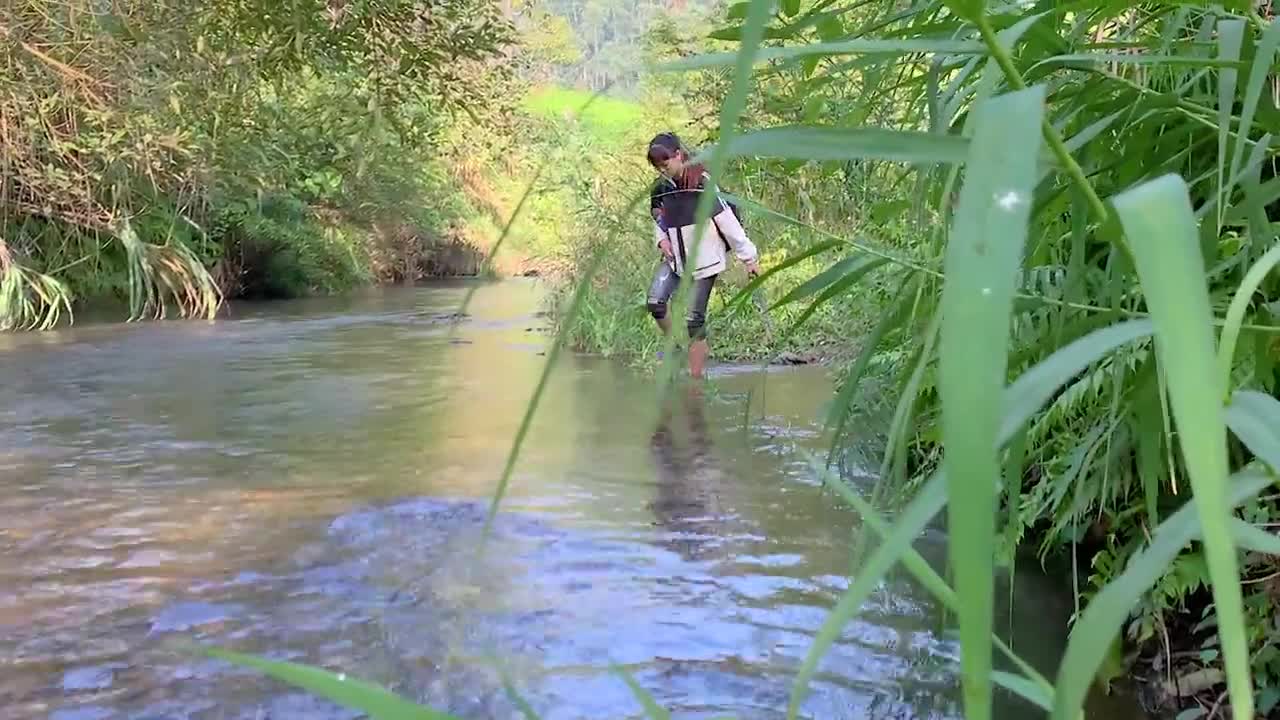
x,y
664,146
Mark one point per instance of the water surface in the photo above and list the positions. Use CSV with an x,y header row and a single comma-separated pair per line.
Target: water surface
x,y
308,480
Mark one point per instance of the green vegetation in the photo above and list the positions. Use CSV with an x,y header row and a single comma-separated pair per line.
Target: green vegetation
x,y
1050,229
170,155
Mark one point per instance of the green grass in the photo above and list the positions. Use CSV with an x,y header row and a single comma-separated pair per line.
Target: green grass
x,y
607,117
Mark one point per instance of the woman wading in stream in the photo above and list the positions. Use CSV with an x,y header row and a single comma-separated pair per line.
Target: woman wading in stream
x,y
673,203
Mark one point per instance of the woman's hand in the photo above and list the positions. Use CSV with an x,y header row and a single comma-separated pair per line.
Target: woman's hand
x,y
753,268
665,246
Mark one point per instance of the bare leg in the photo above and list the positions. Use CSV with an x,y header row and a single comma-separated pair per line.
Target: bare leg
x,y
698,351
664,323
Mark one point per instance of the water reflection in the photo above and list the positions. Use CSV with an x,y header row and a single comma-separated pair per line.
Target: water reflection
x,y
690,478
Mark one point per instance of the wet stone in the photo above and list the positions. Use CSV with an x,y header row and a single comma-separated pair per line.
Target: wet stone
x,y
88,678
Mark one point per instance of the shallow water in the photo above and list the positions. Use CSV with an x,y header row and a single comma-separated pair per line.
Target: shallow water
x,y
308,480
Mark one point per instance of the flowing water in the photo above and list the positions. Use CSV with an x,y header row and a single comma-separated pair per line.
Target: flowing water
x,y
308,480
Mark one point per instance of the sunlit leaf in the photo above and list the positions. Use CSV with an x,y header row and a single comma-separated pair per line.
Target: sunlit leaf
x,y
1161,227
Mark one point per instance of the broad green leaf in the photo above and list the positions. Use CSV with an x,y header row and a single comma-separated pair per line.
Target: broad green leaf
x,y
1103,618
1255,418
1161,228
851,267
983,255
348,692
1239,305
846,47
790,8
828,143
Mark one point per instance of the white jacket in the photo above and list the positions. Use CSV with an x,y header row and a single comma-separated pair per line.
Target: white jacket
x,y
710,256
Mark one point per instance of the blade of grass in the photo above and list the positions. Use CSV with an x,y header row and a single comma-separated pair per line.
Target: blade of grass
x,y
832,49
983,255
511,221
1158,219
1261,68
747,292
849,268
889,320
1230,38
836,288
730,111
652,709
348,692
1253,538
798,142
1235,313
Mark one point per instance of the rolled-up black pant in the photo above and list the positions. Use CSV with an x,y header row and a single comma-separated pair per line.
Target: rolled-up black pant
x,y
665,282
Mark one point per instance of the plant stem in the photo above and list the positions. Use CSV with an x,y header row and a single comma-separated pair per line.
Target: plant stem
x,y
1051,136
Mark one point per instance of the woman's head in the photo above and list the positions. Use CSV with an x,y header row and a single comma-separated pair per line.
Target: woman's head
x,y
667,155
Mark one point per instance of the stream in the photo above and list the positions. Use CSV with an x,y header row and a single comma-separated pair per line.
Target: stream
x,y
308,480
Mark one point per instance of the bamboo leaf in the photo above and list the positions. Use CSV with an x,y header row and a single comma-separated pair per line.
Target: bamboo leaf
x,y
1138,59
983,256
1161,227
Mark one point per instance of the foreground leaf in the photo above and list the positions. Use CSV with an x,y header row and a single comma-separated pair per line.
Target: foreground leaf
x,y
800,142
983,256
1161,227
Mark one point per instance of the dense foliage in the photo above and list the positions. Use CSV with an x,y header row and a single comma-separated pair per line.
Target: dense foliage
x,y
167,153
